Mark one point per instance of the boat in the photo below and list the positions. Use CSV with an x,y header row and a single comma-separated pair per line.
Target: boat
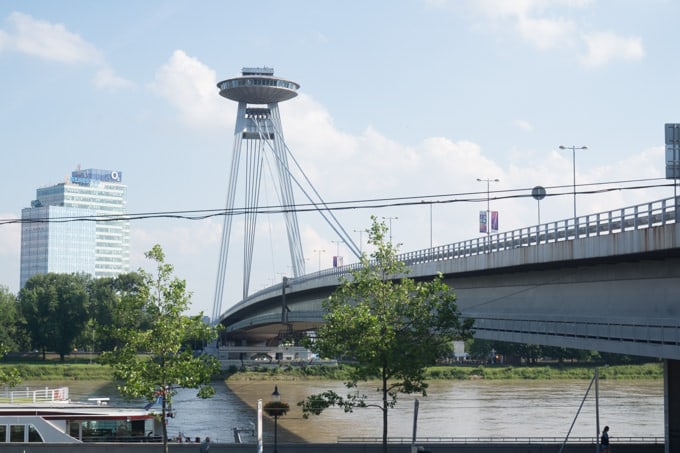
x,y
49,416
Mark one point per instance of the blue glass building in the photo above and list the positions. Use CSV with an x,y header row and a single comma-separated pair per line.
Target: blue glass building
x,y
76,226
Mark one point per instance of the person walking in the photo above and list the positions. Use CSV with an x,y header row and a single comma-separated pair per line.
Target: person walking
x,y
205,445
604,440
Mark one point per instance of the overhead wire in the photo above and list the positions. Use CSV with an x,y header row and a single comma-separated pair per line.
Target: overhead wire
x,y
356,204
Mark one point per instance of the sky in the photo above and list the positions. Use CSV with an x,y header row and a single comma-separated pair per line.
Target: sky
x,y
398,100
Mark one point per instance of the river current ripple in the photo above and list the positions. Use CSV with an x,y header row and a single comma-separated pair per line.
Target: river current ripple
x,y
452,409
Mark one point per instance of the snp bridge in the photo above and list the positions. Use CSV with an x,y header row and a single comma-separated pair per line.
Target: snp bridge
x,y
608,281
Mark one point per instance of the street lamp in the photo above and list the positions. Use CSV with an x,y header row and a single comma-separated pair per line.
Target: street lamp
x,y
319,252
276,408
390,220
361,240
573,169
488,182
337,252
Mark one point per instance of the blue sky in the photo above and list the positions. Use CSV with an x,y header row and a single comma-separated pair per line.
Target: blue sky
x,y
397,99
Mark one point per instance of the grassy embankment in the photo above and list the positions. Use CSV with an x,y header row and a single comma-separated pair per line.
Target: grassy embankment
x,y
494,372
32,367
74,369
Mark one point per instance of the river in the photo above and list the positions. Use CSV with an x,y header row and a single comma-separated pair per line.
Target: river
x,y
475,408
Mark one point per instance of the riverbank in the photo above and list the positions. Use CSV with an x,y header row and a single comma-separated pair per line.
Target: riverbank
x,y
464,372
77,371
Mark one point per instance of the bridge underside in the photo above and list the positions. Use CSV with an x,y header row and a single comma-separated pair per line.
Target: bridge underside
x,y
627,307
271,334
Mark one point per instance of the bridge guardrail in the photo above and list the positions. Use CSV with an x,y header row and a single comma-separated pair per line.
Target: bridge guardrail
x,y
641,216
646,215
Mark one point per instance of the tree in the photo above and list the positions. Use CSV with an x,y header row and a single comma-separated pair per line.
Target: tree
x,y
10,319
168,362
54,307
105,295
390,326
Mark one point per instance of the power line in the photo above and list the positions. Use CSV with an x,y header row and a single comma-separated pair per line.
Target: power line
x,y
369,203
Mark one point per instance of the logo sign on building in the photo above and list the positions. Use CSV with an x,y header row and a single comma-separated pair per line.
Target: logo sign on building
x,y
672,151
92,174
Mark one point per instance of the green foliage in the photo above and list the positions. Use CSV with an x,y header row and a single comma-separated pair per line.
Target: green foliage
x,y
8,376
11,336
167,360
104,316
9,316
55,309
389,326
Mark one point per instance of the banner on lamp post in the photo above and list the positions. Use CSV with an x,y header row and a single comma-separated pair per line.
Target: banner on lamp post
x,y
482,221
494,221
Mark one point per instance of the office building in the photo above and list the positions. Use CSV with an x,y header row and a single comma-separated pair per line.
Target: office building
x,y
75,226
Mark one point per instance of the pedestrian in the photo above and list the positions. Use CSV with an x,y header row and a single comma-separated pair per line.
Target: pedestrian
x,y
205,446
604,440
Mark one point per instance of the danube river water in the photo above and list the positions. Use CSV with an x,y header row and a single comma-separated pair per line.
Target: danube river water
x,y
475,408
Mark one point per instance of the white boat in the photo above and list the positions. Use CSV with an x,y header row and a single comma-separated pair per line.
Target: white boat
x,y
48,415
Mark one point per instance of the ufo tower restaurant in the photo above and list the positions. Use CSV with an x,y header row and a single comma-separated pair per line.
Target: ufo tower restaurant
x,y
257,135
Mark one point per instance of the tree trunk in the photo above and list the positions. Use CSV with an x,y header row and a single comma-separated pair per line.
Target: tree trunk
x,y
384,412
163,422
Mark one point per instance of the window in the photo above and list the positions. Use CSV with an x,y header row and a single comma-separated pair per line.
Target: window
x,y
33,434
3,434
16,433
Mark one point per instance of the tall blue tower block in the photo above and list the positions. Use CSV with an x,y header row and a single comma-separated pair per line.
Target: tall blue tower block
x,y
258,135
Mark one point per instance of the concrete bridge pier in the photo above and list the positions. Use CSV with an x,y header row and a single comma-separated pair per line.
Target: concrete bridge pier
x,y
672,405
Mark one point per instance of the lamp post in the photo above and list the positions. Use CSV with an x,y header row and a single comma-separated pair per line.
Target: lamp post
x,y
573,169
276,408
337,252
390,220
430,225
430,205
361,240
319,252
488,182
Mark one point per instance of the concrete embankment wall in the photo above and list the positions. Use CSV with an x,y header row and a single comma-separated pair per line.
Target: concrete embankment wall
x,y
322,448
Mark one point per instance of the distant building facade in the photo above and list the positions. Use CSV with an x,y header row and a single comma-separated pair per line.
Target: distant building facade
x,y
68,229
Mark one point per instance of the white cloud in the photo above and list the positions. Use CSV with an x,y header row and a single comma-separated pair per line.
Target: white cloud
x,y
520,8
190,86
604,47
47,41
54,42
544,33
106,78
524,125
539,23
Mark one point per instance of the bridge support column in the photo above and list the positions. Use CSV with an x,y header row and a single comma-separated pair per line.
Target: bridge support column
x,y
672,405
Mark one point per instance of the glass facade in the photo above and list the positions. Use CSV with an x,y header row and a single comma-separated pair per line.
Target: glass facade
x,y
100,247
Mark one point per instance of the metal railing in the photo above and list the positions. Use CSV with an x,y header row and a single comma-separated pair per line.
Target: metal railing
x,y
637,217
499,440
44,395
